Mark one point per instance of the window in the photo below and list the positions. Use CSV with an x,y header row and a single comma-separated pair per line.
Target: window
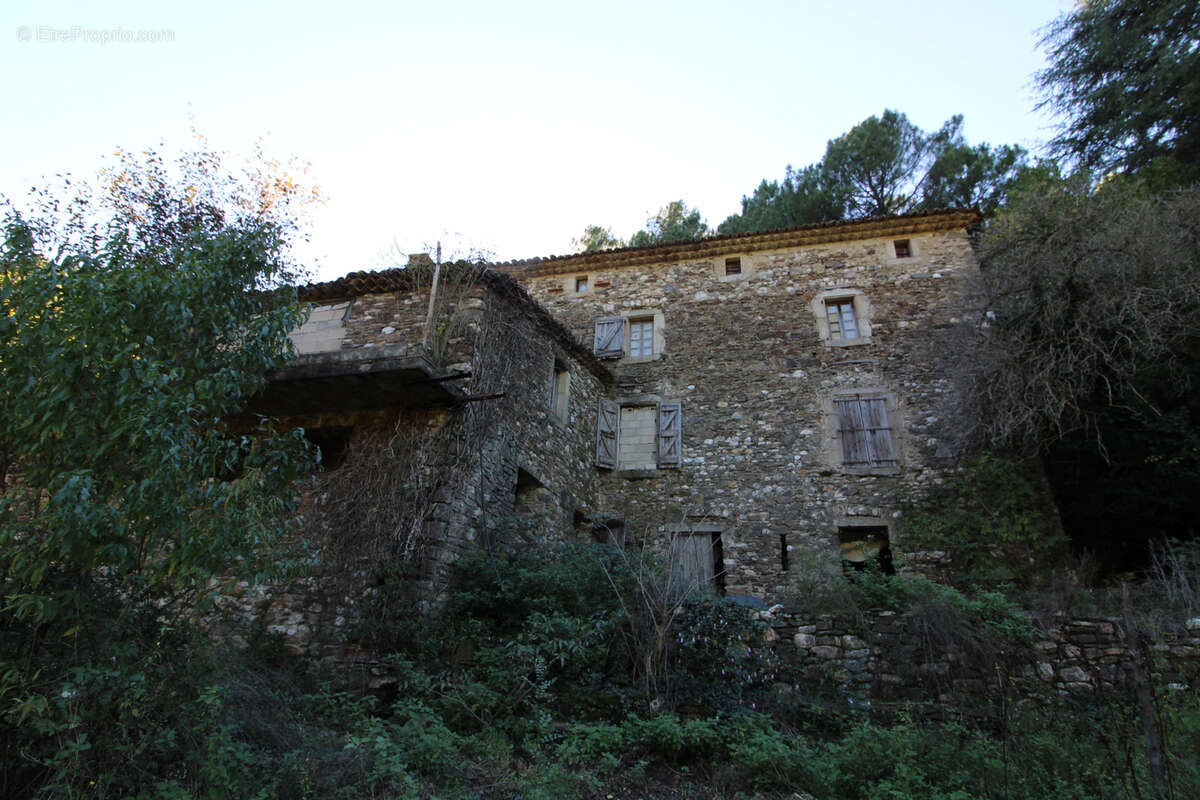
x,y
866,437
641,338
581,284
560,385
733,266
324,329
843,317
635,334
843,324
639,436
864,546
903,248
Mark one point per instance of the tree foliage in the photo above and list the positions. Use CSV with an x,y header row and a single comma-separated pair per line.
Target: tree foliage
x,y
130,328
594,238
802,197
1126,75
674,222
1096,299
133,322
884,165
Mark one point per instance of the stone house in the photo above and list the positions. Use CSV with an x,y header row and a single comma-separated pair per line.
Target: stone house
x,y
774,393
755,403
756,406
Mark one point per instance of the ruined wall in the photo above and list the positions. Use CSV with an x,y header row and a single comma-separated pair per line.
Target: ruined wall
x,y
888,665
753,361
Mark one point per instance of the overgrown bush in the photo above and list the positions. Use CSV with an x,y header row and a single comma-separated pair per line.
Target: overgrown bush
x,y
994,518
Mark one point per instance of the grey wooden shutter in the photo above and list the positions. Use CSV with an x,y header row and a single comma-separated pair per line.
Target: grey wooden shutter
x,y
692,562
883,452
610,337
608,422
866,437
670,434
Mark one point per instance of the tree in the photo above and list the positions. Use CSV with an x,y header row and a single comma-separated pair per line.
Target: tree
x,y
133,323
884,165
674,222
801,198
879,165
972,177
1126,76
1092,356
1090,290
594,238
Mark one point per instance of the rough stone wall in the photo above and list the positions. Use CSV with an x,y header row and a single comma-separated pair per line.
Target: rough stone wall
x,y
455,468
1074,655
746,357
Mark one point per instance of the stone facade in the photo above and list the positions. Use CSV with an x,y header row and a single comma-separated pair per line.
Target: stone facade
x,y
434,441
773,344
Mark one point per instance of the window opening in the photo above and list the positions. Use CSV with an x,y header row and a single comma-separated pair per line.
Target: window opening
x,y
783,552
610,532
641,337
530,497
733,266
560,390
581,284
864,546
843,324
903,248
697,562
639,437
332,442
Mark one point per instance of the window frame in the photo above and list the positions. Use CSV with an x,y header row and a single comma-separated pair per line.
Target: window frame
x,y
861,306
634,316
640,326
560,391
667,449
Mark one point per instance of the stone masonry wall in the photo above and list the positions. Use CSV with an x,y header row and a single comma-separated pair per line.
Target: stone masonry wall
x,y
505,430
1073,655
747,358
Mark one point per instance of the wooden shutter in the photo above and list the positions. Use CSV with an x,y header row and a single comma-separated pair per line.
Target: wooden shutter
x,y
883,452
608,422
866,437
670,434
692,562
610,337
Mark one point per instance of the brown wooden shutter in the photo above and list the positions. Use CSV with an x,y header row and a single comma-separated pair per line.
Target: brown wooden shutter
x,y
670,434
610,337
608,422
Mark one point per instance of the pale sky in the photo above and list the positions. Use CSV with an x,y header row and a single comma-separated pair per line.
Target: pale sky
x,y
505,126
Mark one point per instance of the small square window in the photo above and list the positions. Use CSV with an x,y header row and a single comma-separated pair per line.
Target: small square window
x,y
843,324
641,337
581,284
733,266
903,248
